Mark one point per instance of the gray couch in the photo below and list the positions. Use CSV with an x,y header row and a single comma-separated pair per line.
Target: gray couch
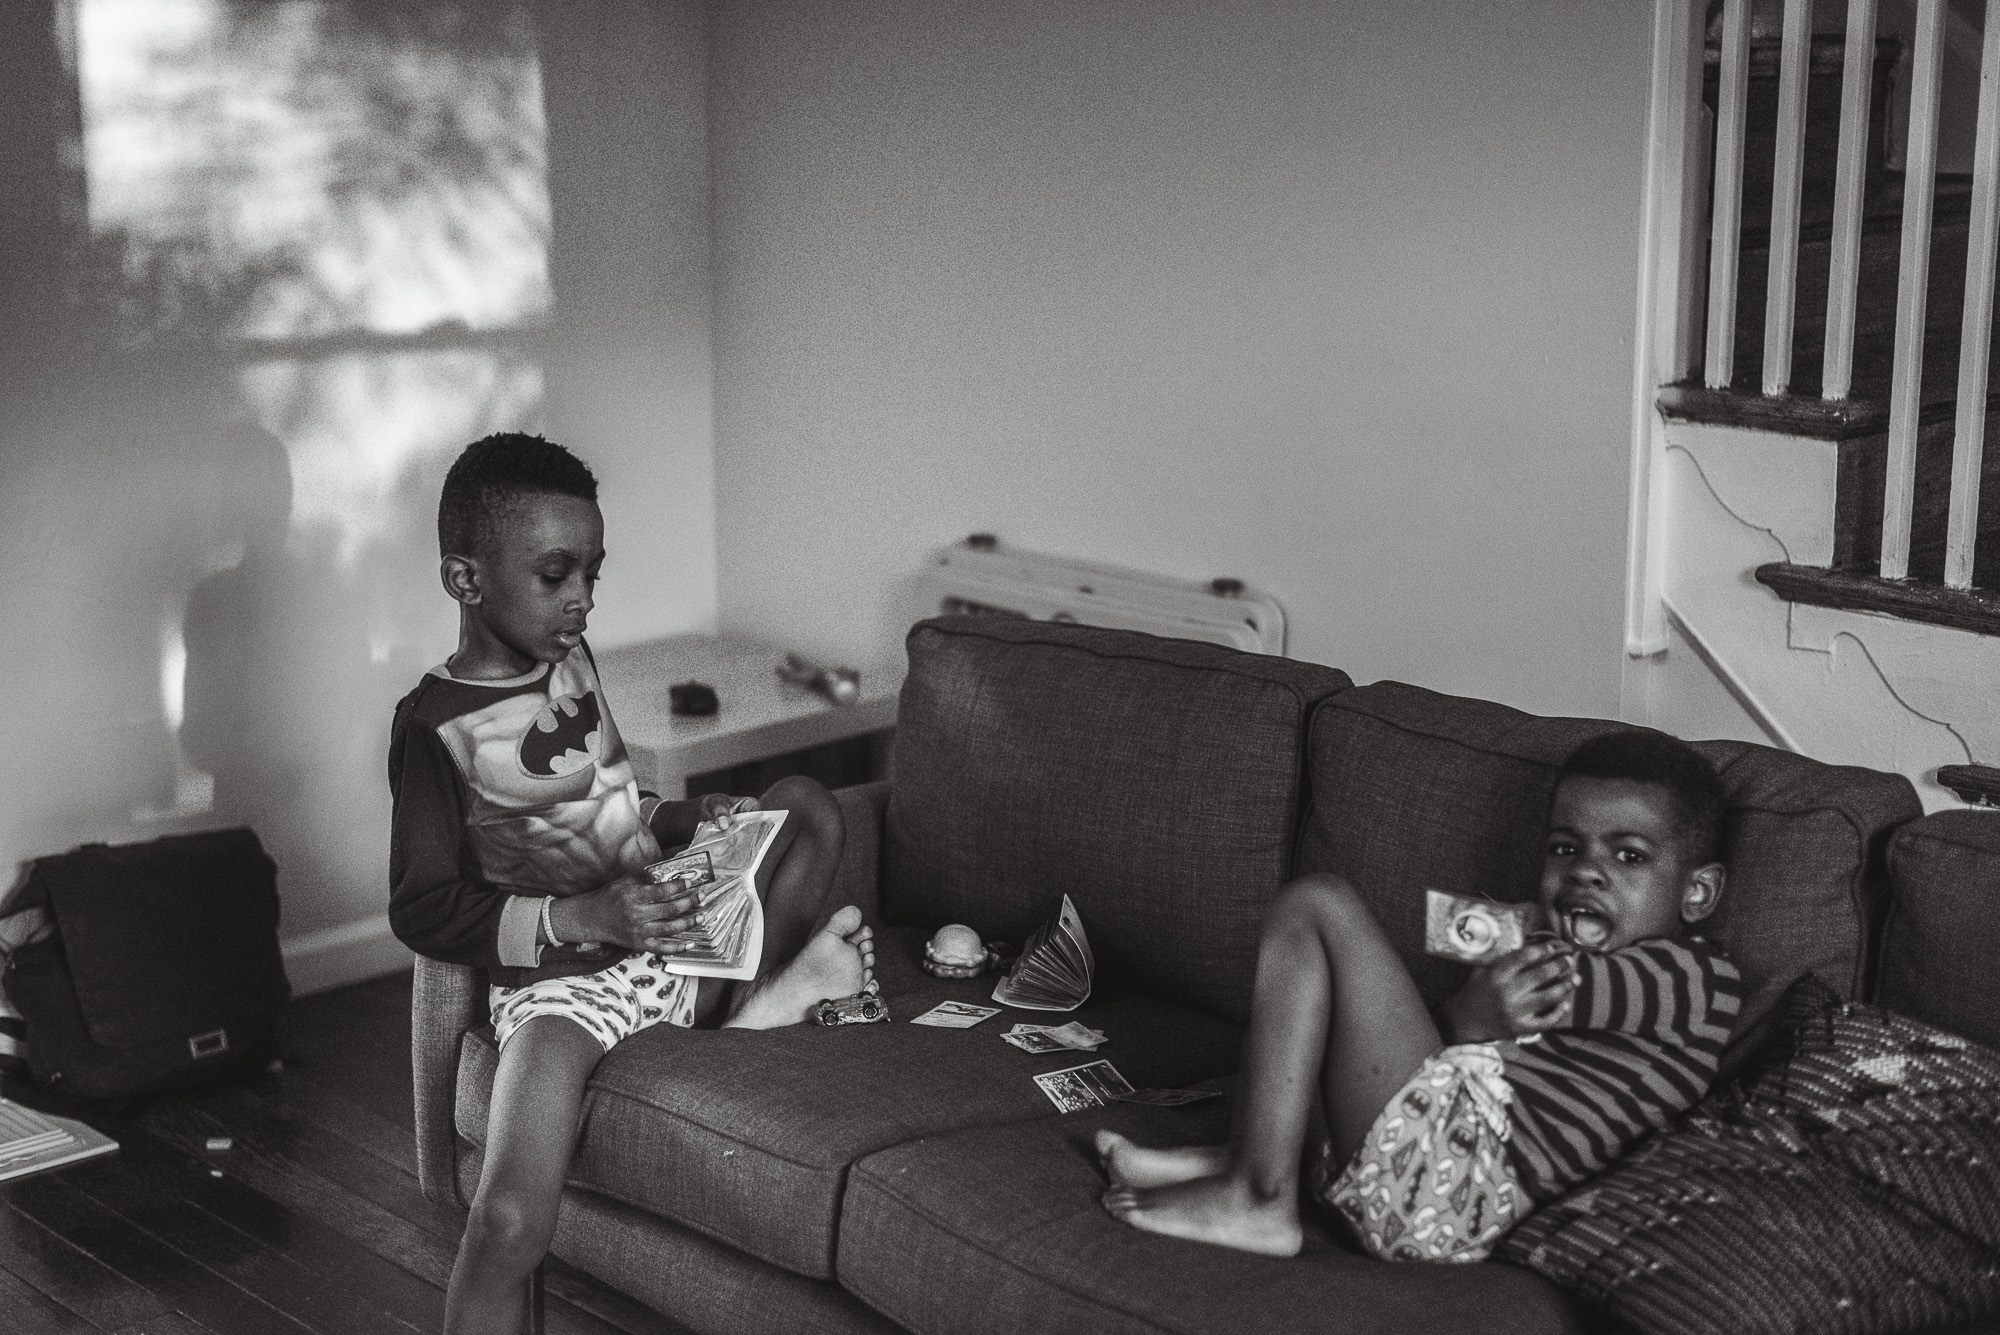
x,y
888,1177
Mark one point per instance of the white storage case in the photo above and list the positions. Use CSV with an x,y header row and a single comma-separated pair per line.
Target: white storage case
x,y
980,575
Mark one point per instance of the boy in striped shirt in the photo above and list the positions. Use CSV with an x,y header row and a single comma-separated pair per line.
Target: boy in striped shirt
x,y
1434,1136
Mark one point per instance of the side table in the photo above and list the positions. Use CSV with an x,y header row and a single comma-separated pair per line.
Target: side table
x,y
760,716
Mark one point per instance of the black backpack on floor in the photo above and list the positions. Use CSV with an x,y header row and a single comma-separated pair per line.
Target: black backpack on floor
x,y
162,969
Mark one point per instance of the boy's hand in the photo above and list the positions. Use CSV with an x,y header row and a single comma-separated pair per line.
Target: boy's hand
x,y
722,808
1523,992
629,912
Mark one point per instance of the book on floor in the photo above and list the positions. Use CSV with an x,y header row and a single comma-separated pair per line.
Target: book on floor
x,y
1055,969
727,937
31,1141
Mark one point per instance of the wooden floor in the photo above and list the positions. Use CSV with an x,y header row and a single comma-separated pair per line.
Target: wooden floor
x,y
312,1221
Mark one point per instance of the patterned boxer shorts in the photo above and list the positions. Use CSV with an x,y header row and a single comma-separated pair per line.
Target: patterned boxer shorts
x,y
1432,1181
612,1004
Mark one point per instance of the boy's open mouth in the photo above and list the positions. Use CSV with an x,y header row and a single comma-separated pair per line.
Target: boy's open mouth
x,y
1585,928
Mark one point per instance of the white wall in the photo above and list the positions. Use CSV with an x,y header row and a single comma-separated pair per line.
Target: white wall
x,y
1336,298
293,551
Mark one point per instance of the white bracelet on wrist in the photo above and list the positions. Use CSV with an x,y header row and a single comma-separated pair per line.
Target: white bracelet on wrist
x,y
548,924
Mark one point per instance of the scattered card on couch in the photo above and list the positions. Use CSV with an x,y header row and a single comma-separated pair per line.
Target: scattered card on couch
x,y
1044,1038
955,1015
1091,1085
1055,969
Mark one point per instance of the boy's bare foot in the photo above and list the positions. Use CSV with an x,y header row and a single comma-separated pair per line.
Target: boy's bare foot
x,y
1222,1210
1129,1165
837,962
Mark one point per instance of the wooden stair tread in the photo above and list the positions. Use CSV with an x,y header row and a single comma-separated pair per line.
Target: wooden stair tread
x,y
1976,610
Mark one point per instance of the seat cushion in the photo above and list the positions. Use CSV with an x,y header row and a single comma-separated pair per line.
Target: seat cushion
x,y
1941,946
1155,781
999,1231
692,1280
1415,790
747,1136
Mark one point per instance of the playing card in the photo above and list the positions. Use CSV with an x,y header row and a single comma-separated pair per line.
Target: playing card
x,y
696,868
1167,1098
1048,1038
1477,931
1035,1041
955,1015
1092,1085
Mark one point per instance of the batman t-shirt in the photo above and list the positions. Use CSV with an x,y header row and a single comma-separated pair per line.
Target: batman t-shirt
x,y
505,789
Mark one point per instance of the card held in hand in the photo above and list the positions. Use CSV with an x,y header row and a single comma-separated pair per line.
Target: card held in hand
x,y
1055,969
1092,1085
1477,931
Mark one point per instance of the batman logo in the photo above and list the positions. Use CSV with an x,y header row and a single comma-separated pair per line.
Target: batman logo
x,y
564,737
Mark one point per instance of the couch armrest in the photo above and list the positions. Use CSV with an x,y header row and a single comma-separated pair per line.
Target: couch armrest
x,y
857,880
446,1000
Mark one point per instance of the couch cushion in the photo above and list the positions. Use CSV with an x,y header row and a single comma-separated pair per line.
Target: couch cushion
x,y
1941,946
999,1231
1155,781
692,1280
747,1136
1412,789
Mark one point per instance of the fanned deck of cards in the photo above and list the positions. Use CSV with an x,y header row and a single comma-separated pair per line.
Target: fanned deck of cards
x,y
721,864
31,1141
1092,1085
1055,969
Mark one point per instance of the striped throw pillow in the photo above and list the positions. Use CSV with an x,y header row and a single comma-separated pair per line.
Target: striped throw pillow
x,y
1849,1185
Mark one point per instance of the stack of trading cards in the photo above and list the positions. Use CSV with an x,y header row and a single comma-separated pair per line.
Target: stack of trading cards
x,y
1055,969
727,935
1042,1038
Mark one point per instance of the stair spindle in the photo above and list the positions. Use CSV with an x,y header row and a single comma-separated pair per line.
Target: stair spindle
x,y
1843,279
1968,445
1725,240
1788,173
1912,278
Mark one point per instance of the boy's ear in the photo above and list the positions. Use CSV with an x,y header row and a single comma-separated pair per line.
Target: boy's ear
x,y
1703,891
460,576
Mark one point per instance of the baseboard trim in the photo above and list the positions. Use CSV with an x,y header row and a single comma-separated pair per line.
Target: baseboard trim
x,y
336,956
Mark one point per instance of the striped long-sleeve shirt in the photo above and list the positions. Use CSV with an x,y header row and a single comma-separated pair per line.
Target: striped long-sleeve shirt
x,y
1641,1047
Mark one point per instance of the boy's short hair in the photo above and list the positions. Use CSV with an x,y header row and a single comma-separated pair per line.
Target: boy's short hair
x,y
493,471
1699,802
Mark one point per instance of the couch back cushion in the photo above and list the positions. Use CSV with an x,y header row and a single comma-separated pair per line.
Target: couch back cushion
x,y
1941,945
1415,790
1156,782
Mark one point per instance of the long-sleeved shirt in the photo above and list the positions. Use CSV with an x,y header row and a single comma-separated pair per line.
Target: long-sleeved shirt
x,y
1644,1038
507,792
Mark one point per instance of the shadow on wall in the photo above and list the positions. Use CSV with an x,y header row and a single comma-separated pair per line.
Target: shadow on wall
x,y
300,258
